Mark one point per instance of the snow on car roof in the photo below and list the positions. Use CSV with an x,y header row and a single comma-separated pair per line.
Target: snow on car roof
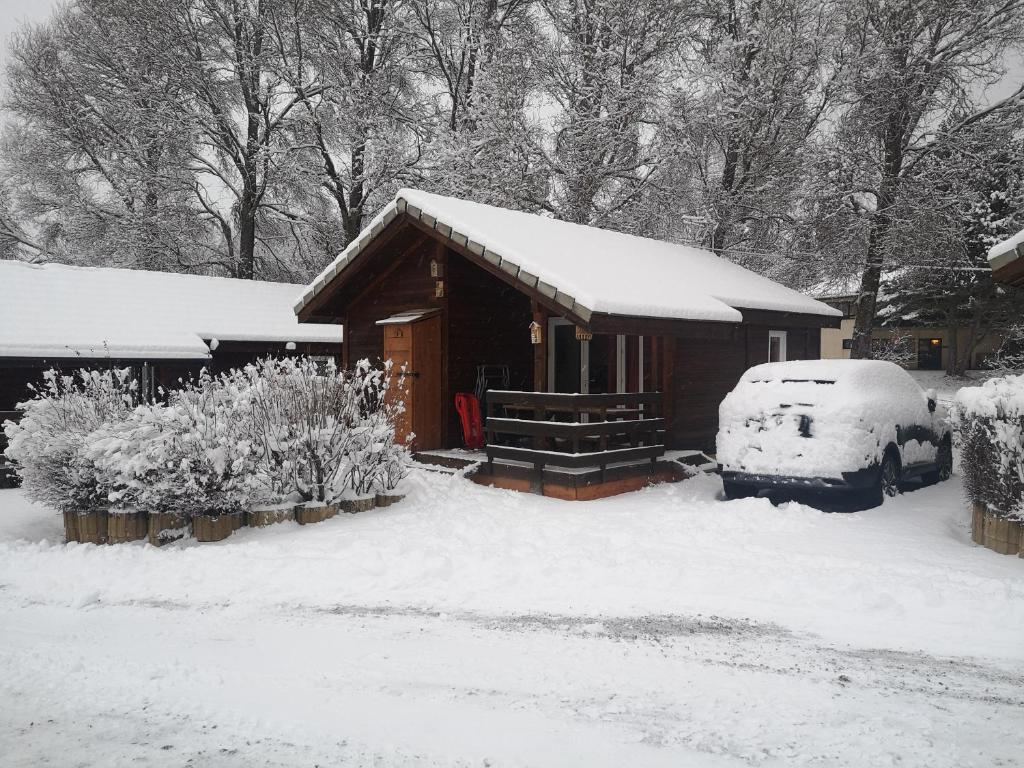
x,y
55,310
872,373
590,269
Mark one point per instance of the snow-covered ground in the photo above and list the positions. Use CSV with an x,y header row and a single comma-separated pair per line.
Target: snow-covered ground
x,y
472,626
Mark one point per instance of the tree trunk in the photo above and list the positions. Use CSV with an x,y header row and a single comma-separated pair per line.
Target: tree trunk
x,y
246,269
729,165
249,204
871,278
867,298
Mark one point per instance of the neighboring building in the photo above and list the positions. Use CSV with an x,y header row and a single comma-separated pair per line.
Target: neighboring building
x,y
1007,260
929,346
449,286
163,325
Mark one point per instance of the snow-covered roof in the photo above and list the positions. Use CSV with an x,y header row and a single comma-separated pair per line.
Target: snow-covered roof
x,y
54,310
1001,254
587,269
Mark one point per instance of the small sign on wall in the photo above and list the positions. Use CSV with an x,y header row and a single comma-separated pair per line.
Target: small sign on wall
x,y
582,334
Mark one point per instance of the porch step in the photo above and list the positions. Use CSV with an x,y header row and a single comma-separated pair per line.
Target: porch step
x,y
452,459
693,461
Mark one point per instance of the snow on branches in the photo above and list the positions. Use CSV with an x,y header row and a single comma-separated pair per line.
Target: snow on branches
x,y
48,442
277,430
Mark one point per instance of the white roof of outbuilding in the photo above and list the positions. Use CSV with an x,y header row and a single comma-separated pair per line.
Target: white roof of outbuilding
x,y
54,310
1011,249
587,269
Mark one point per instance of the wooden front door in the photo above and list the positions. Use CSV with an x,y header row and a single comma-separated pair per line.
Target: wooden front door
x,y
416,347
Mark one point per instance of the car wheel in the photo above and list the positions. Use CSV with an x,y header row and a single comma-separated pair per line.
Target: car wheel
x,y
888,483
943,465
737,490
889,477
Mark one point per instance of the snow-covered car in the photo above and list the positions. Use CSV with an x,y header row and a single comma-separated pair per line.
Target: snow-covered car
x,y
861,426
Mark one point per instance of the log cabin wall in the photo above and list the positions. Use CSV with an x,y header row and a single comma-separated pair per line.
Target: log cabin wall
x,y
704,371
406,285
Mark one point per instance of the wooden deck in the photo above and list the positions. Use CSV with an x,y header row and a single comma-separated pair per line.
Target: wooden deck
x,y
575,446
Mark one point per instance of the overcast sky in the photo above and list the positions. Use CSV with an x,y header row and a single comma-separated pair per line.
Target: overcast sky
x,y
14,12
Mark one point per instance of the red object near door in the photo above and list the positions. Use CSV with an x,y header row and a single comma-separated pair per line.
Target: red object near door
x,y
468,408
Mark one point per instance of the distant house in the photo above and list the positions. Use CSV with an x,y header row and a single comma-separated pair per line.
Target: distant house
x,y
165,326
929,345
1007,260
455,289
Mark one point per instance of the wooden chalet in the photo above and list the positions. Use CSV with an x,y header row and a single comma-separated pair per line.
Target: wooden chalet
x,y
597,350
1007,260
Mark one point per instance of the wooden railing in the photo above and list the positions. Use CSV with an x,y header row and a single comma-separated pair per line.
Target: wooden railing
x,y
574,431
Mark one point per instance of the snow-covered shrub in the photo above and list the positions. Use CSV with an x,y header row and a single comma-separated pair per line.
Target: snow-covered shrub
x,y
210,453
277,430
989,424
191,455
48,443
318,431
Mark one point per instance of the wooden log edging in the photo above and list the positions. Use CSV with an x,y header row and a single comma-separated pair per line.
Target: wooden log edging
x,y
92,526
352,506
306,514
101,526
217,527
999,534
261,517
124,526
165,527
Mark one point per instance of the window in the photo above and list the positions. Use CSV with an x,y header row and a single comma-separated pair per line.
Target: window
x,y
776,346
847,343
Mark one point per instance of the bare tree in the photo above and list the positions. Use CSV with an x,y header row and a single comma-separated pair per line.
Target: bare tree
x,y
760,80
606,69
361,117
911,93
92,153
240,109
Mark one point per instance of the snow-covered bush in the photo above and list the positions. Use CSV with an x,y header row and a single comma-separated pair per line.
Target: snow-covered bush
x,y
48,443
320,432
192,455
276,430
989,423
